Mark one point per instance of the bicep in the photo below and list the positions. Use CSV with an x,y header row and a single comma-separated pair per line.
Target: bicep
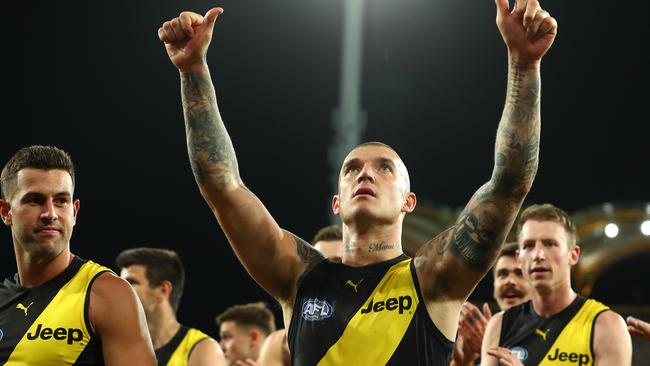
x,y
471,245
207,353
274,257
118,319
271,352
612,343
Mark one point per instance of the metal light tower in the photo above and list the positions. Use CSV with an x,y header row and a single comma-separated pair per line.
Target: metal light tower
x,y
348,119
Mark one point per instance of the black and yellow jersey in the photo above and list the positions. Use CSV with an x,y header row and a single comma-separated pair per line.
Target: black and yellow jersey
x,y
177,351
372,315
48,325
565,338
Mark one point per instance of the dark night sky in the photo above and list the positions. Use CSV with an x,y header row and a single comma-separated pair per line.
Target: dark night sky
x,y
94,79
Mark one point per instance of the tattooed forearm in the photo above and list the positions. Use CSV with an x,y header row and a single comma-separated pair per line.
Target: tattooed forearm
x,y
209,146
517,145
306,252
474,241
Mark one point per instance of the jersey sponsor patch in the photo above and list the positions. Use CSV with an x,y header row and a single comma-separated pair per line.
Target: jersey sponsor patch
x,y
315,310
520,352
572,357
70,335
400,303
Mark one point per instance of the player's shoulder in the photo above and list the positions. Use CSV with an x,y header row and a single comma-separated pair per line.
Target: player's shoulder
x,y
108,285
608,320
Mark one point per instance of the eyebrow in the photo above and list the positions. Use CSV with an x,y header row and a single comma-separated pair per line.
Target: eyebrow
x,y
31,195
381,159
354,161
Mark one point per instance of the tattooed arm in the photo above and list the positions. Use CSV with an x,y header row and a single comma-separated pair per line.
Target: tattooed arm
x,y
451,264
274,257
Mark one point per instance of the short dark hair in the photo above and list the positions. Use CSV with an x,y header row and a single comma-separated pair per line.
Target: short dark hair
x,y
161,265
549,212
36,157
507,250
328,233
255,314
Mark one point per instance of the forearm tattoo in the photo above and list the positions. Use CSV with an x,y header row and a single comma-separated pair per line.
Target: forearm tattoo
x,y
306,252
517,144
210,149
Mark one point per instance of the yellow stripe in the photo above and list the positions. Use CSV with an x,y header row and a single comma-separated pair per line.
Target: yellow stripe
x,y
574,343
64,318
371,338
181,354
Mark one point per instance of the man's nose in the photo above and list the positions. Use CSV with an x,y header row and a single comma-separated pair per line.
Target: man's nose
x,y
366,174
49,212
539,254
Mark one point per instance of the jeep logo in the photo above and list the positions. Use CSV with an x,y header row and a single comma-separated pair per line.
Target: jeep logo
x,y
392,303
580,358
71,334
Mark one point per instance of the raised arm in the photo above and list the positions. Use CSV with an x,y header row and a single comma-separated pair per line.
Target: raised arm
x,y
453,262
274,257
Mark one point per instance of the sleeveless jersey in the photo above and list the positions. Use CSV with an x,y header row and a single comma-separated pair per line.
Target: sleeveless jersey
x,y
372,315
48,325
177,351
565,338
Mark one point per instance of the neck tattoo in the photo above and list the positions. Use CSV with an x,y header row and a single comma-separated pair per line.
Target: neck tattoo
x,y
377,247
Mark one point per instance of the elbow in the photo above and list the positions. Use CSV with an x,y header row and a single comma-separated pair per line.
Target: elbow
x,y
514,185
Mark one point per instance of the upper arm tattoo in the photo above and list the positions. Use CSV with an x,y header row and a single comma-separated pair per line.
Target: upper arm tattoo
x,y
474,241
210,149
306,252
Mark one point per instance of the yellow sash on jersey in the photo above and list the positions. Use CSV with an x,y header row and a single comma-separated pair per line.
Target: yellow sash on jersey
x,y
573,345
181,354
375,331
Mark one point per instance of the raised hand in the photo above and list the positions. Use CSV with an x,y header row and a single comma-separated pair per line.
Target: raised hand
x,y
187,38
638,328
471,328
527,29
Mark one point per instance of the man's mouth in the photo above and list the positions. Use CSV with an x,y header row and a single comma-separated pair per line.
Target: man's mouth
x,y
512,294
539,270
48,230
364,191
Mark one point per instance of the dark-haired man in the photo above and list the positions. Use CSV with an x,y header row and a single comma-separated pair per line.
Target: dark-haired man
x,y
158,277
243,330
329,241
60,309
510,289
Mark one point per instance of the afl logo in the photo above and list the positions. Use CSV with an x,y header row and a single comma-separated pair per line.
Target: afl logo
x,y
314,310
1,334
519,352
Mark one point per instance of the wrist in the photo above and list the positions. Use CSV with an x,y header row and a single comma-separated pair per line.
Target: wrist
x,y
197,68
522,63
